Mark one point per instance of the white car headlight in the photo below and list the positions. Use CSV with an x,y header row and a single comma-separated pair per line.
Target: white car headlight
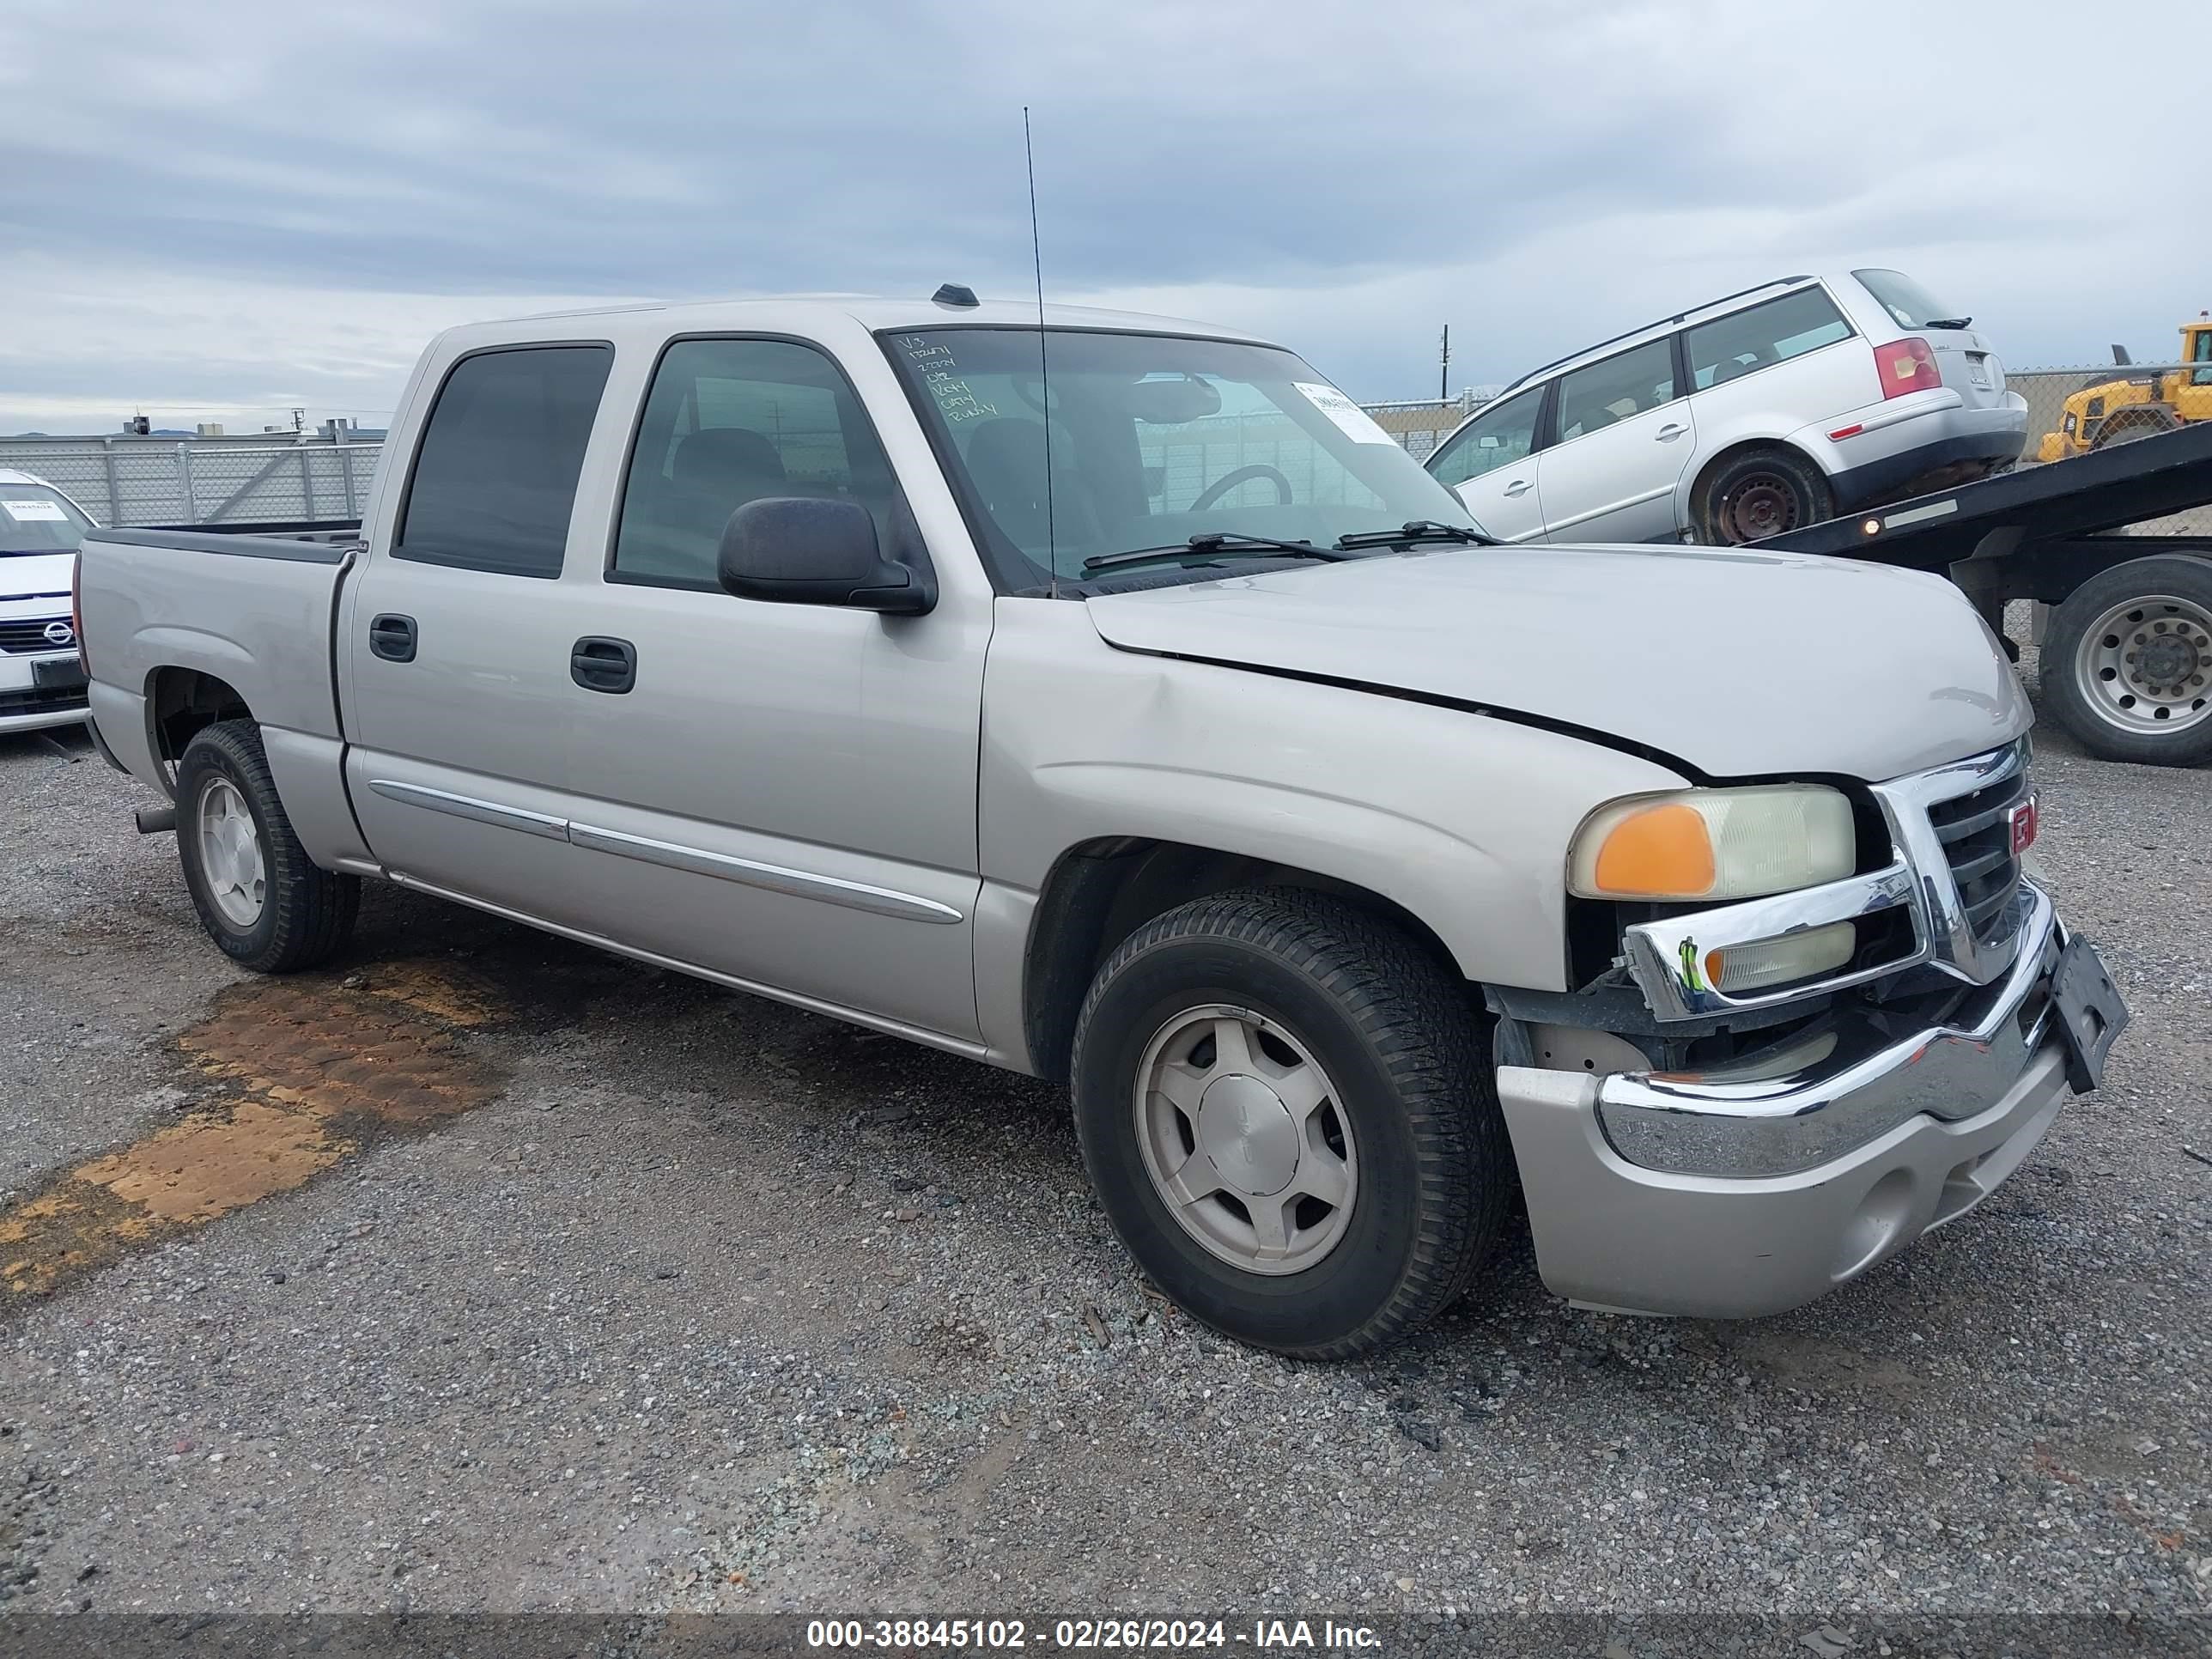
x,y
1714,844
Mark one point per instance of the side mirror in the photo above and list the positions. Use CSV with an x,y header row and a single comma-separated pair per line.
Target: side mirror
x,y
791,550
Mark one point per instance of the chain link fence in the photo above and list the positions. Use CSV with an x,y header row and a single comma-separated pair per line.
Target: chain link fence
x,y
123,482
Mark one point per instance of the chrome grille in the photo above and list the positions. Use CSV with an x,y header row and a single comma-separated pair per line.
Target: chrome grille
x,y
29,634
1976,833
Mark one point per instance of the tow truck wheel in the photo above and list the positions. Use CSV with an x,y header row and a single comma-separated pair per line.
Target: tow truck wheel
x,y
2127,663
1287,1113
259,895
1756,494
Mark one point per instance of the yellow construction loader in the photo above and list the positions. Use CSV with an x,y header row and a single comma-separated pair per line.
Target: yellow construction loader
x,y
2120,411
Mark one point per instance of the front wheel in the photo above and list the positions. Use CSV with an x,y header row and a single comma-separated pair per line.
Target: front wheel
x,y
1756,494
2127,661
1287,1112
258,894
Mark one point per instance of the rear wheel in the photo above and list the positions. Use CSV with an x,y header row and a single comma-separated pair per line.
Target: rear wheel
x,y
1756,494
2127,661
258,894
1287,1113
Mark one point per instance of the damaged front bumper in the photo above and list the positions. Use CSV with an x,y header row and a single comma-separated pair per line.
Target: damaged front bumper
x,y
1752,1186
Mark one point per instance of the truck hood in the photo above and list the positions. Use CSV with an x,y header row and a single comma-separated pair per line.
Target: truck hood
x,y
22,574
1738,663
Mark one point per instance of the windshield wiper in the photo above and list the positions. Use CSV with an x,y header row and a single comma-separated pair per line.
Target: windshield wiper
x,y
1948,322
1418,530
1212,541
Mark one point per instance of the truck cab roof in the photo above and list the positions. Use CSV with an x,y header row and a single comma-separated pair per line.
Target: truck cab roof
x,y
807,313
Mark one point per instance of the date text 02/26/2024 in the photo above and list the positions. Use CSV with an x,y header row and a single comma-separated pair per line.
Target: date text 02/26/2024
x,y
1082,1635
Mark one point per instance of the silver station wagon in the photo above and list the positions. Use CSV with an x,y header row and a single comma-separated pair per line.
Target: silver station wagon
x,y
1775,407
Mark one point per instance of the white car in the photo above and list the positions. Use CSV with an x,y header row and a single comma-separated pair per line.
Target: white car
x,y
1771,409
42,681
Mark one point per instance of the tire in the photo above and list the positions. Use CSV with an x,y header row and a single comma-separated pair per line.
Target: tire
x,y
2111,700
1758,493
2134,424
231,825
1419,1136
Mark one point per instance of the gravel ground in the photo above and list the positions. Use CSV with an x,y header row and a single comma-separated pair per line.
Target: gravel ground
x,y
685,1301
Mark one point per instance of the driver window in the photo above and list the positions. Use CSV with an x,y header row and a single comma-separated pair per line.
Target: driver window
x,y
1494,438
729,421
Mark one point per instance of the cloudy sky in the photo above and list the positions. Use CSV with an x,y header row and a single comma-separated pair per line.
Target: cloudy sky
x,y
220,211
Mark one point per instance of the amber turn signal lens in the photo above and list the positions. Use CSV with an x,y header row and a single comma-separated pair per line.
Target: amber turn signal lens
x,y
1662,850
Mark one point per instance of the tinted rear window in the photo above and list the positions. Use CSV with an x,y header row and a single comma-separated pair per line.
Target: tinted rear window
x,y
1909,305
495,477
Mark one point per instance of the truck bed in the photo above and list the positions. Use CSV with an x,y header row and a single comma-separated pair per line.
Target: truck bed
x,y
254,610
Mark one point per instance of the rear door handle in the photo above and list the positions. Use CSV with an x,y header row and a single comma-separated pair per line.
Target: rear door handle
x,y
1518,487
1672,430
392,637
599,663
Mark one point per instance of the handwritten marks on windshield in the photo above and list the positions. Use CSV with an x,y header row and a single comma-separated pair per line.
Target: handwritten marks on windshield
x,y
955,398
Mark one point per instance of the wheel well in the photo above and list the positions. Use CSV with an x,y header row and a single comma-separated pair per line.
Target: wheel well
x,y
1102,891
1737,452
181,701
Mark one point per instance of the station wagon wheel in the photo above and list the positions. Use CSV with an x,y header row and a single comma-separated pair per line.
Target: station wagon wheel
x,y
2127,662
1758,493
1287,1111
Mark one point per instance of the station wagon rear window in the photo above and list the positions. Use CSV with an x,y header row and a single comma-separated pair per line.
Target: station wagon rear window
x,y
1761,336
1909,305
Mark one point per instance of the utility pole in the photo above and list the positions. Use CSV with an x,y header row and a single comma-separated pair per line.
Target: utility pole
x,y
1443,369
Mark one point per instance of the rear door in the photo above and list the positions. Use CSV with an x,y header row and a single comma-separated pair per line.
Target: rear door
x,y
456,644
1758,374
1492,462
1625,437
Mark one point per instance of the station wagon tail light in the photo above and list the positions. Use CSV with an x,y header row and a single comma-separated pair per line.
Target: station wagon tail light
x,y
1714,844
1906,366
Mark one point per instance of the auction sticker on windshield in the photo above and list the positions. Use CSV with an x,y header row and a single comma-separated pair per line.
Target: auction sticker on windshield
x,y
27,511
1355,420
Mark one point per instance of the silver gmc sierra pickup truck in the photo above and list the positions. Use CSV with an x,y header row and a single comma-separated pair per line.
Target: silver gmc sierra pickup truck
x,y
1109,698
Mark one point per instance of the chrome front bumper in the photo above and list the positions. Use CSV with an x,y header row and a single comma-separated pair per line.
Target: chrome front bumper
x,y
1754,1188
1843,1080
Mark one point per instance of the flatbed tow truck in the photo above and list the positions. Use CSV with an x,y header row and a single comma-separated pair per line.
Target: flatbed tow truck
x,y
2127,647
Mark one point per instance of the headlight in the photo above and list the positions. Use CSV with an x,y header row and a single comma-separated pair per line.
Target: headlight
x,y
1714,844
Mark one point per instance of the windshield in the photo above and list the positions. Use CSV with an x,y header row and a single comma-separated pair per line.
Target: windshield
x,y
36,520
1154,439
1910,305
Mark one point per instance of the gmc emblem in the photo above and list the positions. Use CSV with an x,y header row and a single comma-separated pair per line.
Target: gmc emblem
x,y
2023,820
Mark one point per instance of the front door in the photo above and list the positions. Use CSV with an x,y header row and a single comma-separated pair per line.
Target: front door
x,y
784,794
1624,441
1492,462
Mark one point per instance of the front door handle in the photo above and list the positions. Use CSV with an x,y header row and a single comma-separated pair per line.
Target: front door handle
x,y
392,637
1672,430
599,663
1518,487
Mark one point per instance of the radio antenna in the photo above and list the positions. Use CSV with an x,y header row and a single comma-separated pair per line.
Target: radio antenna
x,y
1044,365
